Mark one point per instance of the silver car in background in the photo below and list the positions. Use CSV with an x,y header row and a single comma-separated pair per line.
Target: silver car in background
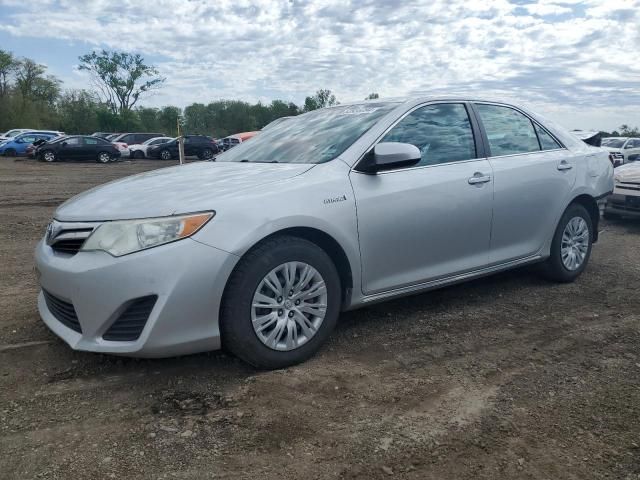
x,y
338,208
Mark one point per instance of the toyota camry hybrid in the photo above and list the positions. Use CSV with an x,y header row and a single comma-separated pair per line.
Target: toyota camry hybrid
x,y
260,250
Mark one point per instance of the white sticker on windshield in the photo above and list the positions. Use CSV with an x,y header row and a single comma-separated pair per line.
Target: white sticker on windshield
x,y
358,110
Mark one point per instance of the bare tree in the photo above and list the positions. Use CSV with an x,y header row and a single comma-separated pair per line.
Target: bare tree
x,y
121,78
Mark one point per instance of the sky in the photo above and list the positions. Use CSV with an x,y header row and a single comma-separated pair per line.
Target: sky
x,y
577,62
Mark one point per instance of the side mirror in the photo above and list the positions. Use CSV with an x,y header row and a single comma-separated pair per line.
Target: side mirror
x,y
64,144
389,155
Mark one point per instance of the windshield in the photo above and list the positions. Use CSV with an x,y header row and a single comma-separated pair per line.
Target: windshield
x,y
613,142
315,137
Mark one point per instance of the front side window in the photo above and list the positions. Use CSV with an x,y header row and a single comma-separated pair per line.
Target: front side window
x,y
547,142
73,141
509,131
442,133
26,139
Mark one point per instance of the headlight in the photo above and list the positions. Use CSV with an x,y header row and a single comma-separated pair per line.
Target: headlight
x,y
122,237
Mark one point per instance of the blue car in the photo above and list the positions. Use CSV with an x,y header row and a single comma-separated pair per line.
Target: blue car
x,y
18,144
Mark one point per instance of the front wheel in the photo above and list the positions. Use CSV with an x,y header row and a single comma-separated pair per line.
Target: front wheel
x,y
10,152
281,303
48,156
571,245
138,154
165,155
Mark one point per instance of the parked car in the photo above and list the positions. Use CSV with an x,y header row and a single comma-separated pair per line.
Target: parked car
x,y
235,139
622,147
200,146
332,210
12,133
123,141
77,147
17,146
140,151
625,200
103,134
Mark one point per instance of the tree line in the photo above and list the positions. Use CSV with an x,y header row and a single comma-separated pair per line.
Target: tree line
x,y
32,98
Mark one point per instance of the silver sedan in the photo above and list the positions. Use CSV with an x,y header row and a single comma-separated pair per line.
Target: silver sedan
x,y
331,210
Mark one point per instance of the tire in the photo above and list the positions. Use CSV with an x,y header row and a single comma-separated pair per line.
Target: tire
x,y
103,157
138,154
237,313
10,152
48,156
557,269
165,155
206,154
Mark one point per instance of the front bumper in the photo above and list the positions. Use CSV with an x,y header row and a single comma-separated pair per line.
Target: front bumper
x,y
187,276
621,204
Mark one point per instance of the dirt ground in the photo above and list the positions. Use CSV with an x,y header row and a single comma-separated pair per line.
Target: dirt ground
x,y
508,377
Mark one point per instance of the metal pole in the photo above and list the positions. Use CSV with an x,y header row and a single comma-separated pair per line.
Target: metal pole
x,y
180,144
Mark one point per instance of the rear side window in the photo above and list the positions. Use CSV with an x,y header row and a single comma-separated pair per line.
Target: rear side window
x,y
547,142
509,131
90,141
442,133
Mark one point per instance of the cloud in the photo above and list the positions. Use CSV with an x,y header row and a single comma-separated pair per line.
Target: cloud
x,y
554,54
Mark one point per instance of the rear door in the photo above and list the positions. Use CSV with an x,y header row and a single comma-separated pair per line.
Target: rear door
x,y
431,220
533,177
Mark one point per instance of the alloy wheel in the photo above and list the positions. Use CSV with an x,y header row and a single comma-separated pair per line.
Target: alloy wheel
x,y
575,243
165,155
49,156
289,306
104,157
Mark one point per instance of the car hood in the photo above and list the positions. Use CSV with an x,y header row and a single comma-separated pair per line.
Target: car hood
x,y
629,173
168,191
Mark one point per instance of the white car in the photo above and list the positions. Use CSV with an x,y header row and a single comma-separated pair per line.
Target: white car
x,y
625,200
12,133
623,148
140,150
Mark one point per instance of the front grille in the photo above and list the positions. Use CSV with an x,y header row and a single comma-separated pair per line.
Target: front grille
x,y
68,237
131,322
63,311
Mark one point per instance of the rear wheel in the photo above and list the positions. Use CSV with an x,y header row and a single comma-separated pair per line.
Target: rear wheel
x,y
571,245
281,303
104,157
165,155
206,154
10,152
48,156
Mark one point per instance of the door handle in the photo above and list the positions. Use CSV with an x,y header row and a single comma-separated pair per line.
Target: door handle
x,y
563,165
479,178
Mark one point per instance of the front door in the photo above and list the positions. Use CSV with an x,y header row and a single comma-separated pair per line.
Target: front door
x,y
431,220
71,149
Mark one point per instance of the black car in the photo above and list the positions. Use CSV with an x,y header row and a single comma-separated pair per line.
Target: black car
x,y
135,138
77,148
194,145
102,134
